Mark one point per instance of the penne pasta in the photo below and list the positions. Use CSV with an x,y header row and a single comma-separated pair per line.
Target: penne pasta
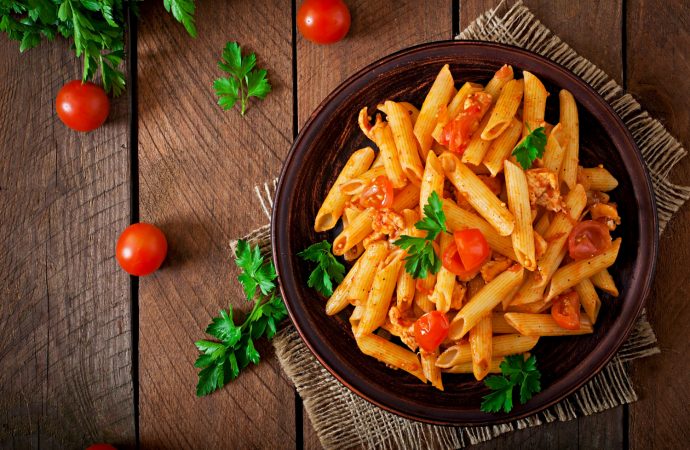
x,y
481,347
432,181
571,274
604,281
467,367
599,179
484,301
478,195
534,104
570,122
445,280
588,299
529,324
431,371
500,78
406,198
499,324
504,111
376,308
404,289
391,354
460,219
501,148
438,97
518,203
356,185
401,126
554,152
383,136
367,263
333,205
357,230
506,344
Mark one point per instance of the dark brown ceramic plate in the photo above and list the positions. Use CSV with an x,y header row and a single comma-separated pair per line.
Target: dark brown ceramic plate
x,y
322,149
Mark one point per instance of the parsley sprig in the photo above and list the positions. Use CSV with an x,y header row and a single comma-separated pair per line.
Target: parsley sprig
x,y
531,148
328,269
95,26
516,371
421,256
244,81
221,361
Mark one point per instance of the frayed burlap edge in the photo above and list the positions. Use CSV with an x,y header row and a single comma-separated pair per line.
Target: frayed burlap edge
x,y
341,419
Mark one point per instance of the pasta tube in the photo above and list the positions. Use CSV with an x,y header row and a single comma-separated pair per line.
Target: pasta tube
x,y
481,347
484,301
383,136
501,147
518,202
544,325
333,205
534,104
478,195
439,95
571,127
506,344
376,309
505,109
391,354
405,141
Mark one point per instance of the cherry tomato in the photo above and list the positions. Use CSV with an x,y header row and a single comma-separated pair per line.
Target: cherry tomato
x,y
141,249
451,261
430,330
323,21
589,238
378,194
82,106
458,132
101,447
472,248
566,310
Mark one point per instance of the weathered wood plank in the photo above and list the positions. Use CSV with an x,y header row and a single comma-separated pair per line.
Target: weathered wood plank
x,y
595,33
198,167
65,343
657,63
378,29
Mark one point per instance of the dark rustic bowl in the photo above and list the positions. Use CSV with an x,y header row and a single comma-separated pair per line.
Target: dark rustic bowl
x,y
323,147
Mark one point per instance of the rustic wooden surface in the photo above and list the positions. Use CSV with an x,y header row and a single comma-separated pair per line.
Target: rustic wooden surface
x,y
66,356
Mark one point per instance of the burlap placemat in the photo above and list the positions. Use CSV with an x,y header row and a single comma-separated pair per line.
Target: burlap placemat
x,y
341,419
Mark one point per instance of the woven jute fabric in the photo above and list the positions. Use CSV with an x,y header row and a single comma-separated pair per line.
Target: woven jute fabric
x,y
341,419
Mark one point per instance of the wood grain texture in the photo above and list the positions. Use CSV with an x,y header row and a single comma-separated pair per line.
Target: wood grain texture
x,y
378,29
198,168
591,27
65,343
584,26
660,34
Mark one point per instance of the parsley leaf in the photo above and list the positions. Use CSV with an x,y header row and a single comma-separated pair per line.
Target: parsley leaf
x,y
96,28
221,361
434,220
255,272
327,270
515,370
183,12
421,256
244,81
531,148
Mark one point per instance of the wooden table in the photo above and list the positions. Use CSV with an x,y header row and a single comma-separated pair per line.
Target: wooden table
x,y
88,354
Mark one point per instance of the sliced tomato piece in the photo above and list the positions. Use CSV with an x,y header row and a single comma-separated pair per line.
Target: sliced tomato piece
x,y
472,248
457,133
451,261
589,238
430,330
378,194
566,310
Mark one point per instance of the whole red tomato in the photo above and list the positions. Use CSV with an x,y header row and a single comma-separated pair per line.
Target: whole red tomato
x,y
323,21
82,106
141,249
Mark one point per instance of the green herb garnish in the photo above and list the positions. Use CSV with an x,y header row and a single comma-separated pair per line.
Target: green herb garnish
x,y
244,81
328,268
531,148
516,371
